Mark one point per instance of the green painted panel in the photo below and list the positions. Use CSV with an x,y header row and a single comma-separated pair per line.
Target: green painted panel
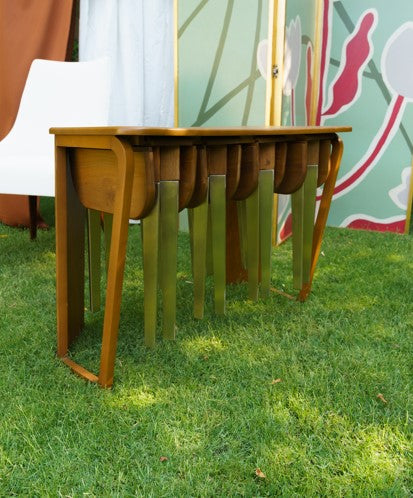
x,y
218,78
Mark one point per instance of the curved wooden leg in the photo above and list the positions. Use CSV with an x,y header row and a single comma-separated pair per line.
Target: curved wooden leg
x,y
117,259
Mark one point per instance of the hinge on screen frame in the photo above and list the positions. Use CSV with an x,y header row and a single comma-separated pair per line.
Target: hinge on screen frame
x,y
275,70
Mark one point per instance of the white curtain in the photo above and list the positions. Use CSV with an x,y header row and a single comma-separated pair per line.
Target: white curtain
x,y
137,35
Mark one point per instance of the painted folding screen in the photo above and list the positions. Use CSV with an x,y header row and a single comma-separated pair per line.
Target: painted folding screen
x,y
219,83
367,82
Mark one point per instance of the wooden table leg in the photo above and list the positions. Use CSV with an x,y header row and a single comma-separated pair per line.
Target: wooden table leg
x,y
70,217
124,154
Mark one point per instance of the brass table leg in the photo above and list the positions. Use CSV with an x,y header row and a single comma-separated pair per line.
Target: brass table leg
x,y
310,190
209,269
265,186
297,212
190,212
218,227
199,233
150,248
242,227
253,234
93,231
107,230
169,192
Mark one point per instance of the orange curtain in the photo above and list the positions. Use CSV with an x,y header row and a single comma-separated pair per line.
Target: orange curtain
x,y
29,29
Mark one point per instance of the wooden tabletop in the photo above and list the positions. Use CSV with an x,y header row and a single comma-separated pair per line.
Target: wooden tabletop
x,y
201,131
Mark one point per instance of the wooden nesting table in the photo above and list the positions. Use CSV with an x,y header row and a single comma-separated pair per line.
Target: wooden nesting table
x,y
124,170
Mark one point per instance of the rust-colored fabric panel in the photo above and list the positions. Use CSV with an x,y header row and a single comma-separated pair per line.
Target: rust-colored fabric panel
x,y
29,29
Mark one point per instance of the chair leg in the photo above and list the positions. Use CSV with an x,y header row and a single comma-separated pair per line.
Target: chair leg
x,y
218,234
150,235
33,216
266,186
253,242
93,233
169,219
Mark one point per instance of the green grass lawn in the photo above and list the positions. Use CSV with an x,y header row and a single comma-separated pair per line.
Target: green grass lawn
x,y
208,401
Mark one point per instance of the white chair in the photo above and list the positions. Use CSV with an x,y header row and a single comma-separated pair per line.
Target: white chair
x,y
55,94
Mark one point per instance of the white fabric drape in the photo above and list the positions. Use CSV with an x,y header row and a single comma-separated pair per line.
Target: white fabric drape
x,y
137,35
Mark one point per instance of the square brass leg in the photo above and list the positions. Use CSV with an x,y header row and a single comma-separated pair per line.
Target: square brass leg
x,y
169,192
150,236
218,233
265,186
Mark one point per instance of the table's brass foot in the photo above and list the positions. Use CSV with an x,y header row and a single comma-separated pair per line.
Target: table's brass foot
x,y
242,228
303,213
169,192
297,212
265,185
310,190
253,234
199,234
93,231
107,230
150,248
218,234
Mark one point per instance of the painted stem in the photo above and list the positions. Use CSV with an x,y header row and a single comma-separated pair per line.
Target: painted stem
x,y
383,136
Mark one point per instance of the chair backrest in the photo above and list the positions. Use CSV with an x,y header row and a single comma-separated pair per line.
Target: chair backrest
x,y
59,94
55,94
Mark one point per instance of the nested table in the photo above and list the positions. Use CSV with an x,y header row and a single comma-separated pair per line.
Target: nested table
x,y
125,170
